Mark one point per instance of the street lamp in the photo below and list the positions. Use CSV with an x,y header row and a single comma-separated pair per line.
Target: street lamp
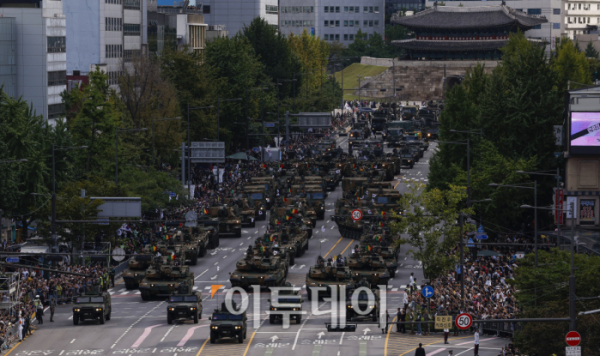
x,y
572,296
535,224
153,120
468,161
53,222
117,149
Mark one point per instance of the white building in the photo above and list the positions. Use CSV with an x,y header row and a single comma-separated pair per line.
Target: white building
x,y
551,9
579,17
33,58
234,14
332,20
104,32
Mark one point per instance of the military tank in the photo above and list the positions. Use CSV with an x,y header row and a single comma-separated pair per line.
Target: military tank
x,y
384,247
331,274
266,267
224,218
164,276
289,238
136,270
365,263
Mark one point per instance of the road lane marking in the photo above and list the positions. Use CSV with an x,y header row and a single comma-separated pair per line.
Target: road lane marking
x,y
328,252
144,335
350,243
363,349
396,184
72,341
202,348
316,350
135,323
200,275
247,347
188,335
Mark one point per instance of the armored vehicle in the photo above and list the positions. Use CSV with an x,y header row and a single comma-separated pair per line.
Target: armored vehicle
x,y
409,112
92,305
364,303
164,276
289,237
265,267
379,121
242,209
136,270
288,301
333,178
226,325
329,275
229,224
256,198
184,304
393,136
364,263
385,247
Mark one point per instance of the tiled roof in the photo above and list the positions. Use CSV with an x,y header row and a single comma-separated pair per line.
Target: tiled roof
x,y
452,17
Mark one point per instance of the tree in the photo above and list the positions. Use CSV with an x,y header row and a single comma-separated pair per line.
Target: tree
x,y
543,292
313,53
93,116
570,64
591,51
429,224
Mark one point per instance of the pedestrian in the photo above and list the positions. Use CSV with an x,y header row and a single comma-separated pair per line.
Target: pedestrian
x,y
450,353
21,328
476,341
398,318
420,350
52,308
446,332
403,318
39,309
419,316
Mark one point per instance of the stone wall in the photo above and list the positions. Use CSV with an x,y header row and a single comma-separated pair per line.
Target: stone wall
x,y
419,80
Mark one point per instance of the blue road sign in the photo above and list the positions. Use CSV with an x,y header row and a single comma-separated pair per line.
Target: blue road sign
x,y
481,233
269,124
427,291
256,149
12,259
470,243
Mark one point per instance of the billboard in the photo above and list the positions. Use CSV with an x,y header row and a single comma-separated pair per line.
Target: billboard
x,y
208,152
117,207
584,133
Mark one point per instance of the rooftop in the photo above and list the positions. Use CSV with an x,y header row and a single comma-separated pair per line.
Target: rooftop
x,y
449,45
451,17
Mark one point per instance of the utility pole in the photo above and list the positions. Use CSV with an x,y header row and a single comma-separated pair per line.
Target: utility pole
x,y
572,295
359,77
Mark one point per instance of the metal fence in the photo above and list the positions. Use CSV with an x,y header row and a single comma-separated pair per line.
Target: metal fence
x,y
500,328
121,267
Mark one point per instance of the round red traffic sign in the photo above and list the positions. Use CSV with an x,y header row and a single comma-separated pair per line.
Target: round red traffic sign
x,y
356,214
573,338
463,321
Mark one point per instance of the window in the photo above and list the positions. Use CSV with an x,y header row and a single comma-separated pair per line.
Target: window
x,y
113,78
371,9
598,6
337,9
114,51
356,9
113,24
537,27
55,111
557,11
351,23
534,11
556,26
131,29
370,23
351,36
326,37
365,9
351,9
376,9
345,23
326,23
345,37
337,37
376,22
365,23
57,44
130,54
131,4
337,23
326,9
272,9
116,2
345,9
57,78
206,9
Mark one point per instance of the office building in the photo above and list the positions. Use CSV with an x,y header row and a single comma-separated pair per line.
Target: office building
x,y
175,26
332,20
235,14
104,33
33,53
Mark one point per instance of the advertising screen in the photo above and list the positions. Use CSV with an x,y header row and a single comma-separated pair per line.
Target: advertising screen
x,y
585,133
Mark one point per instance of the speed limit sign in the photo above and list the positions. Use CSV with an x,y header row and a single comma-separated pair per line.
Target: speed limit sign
x,y
464,321
356,214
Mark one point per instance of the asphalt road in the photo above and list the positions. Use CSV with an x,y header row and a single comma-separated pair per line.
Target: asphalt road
x,y
140,328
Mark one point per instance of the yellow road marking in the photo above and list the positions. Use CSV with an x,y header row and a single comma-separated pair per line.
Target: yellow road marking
x,y
396,184
249,342
388,336
202,348
456,338
350,243
333,247
19,343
